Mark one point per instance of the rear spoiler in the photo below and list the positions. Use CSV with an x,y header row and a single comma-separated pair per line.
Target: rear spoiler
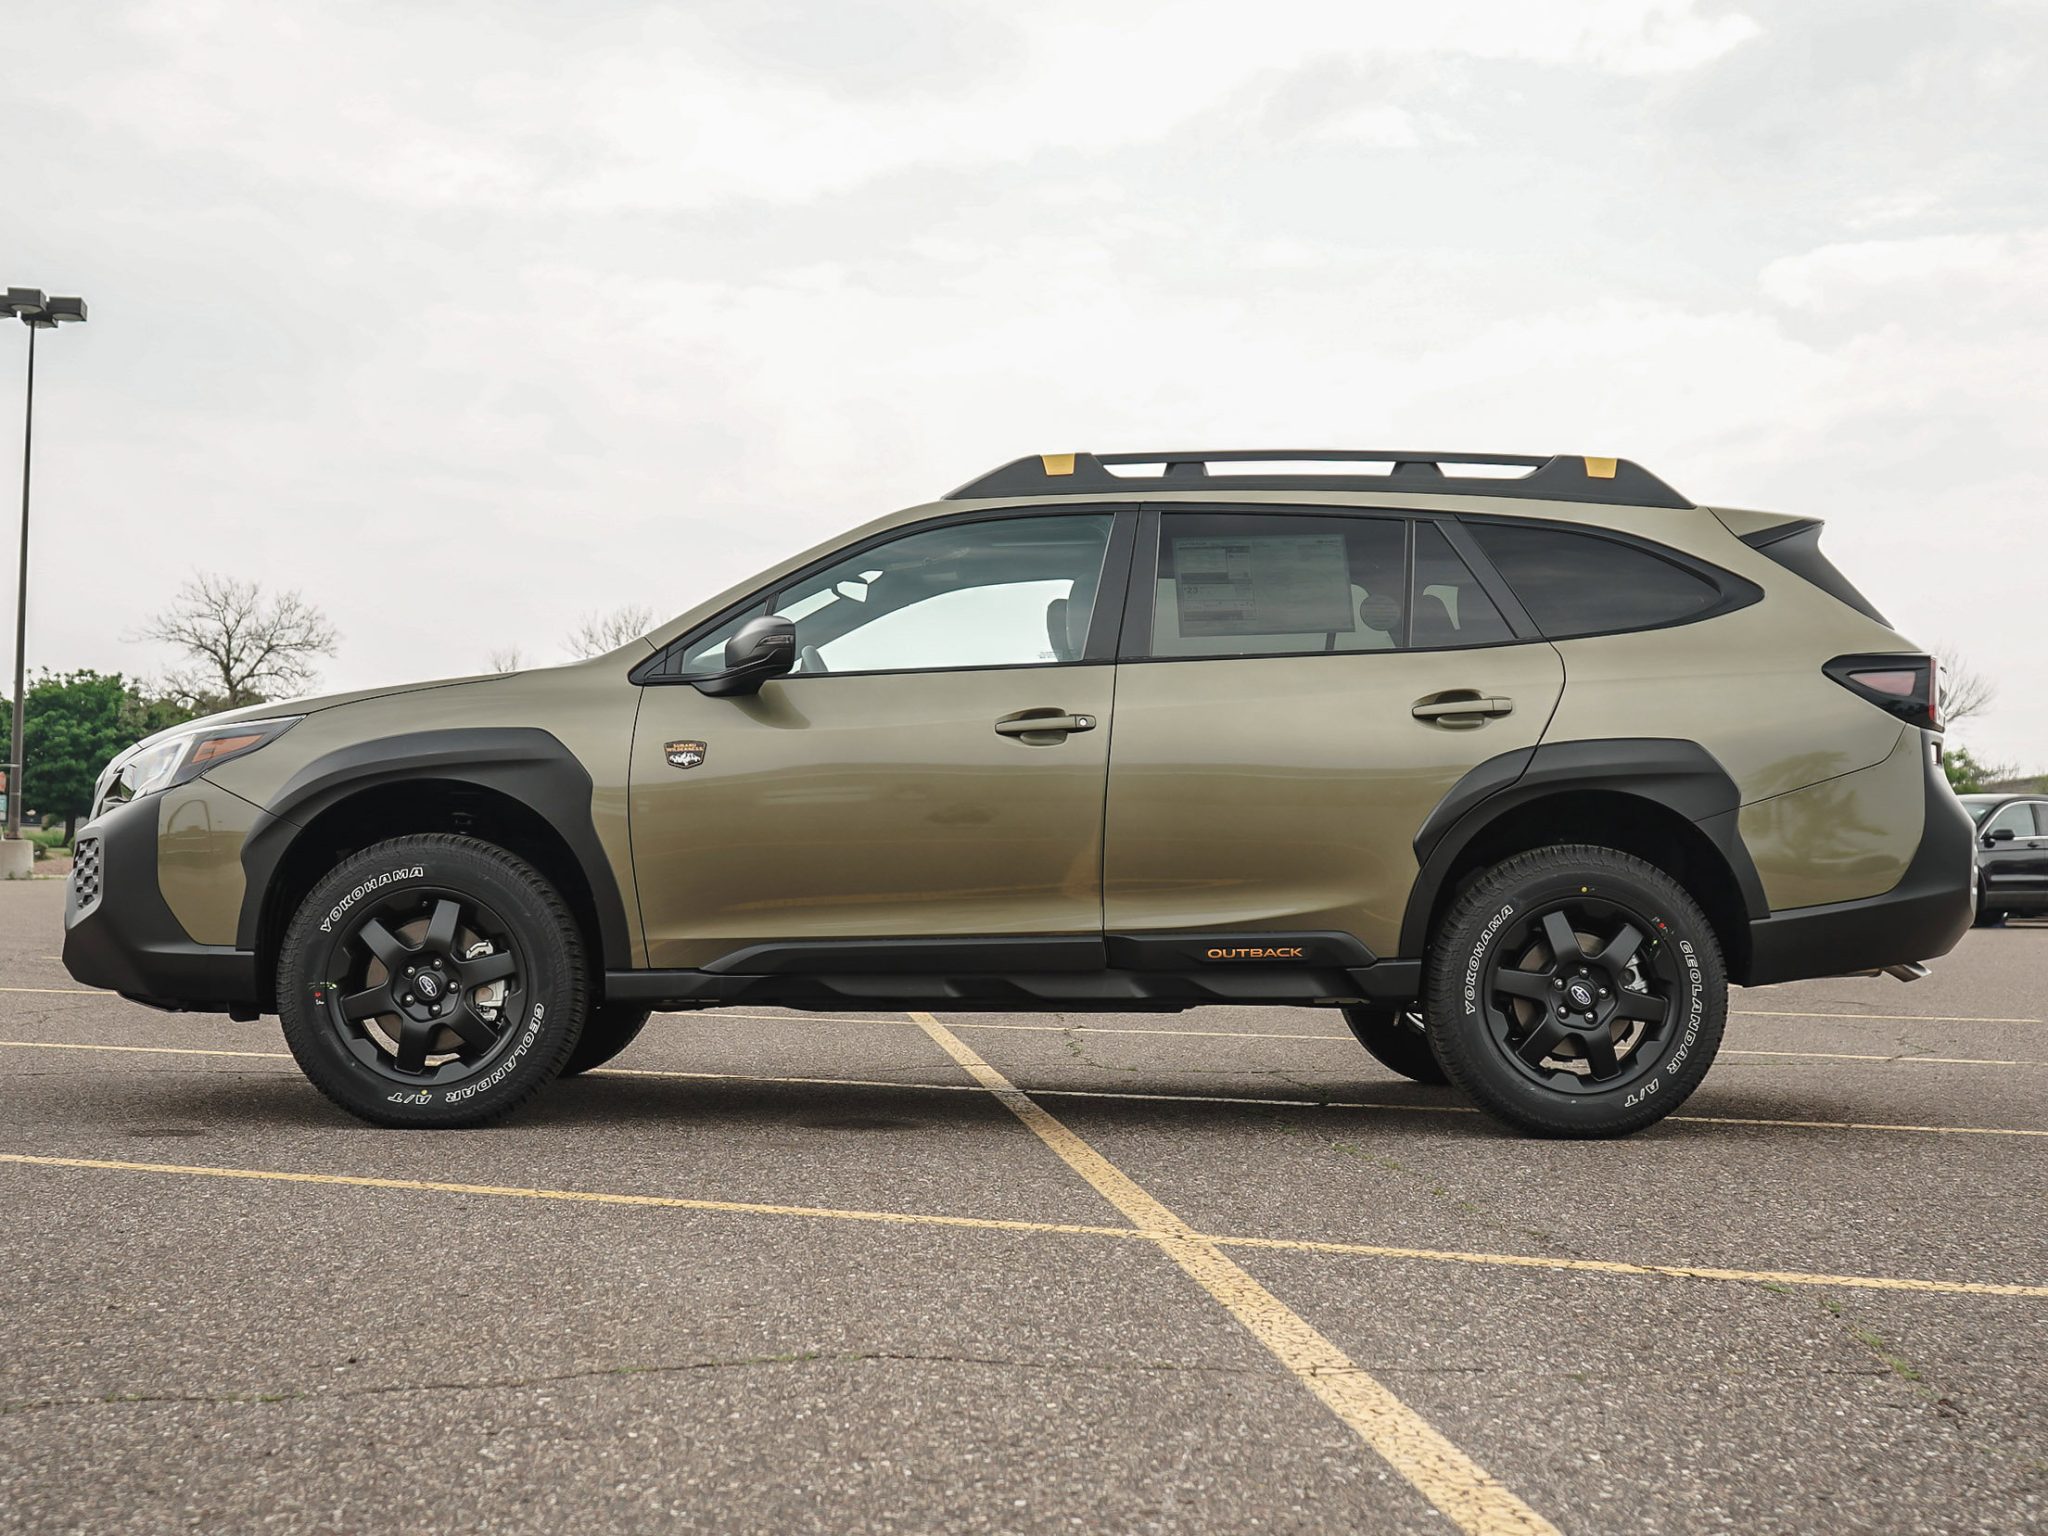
x,y
1794,543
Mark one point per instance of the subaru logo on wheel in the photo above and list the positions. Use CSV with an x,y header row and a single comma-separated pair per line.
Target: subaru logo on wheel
x,y
1580,994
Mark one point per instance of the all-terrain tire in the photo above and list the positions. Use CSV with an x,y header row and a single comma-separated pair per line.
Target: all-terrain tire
x,y
1500,986
609,1029
1396,1039
401,906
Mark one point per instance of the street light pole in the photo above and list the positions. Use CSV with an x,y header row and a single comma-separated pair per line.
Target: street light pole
x,y
28,439
38,313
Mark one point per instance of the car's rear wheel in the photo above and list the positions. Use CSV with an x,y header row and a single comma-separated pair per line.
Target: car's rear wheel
x,y
1576,991
610,1028
432,981
1396,1039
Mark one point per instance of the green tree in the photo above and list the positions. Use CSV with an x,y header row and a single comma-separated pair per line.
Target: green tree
x,y
74,723
1967,776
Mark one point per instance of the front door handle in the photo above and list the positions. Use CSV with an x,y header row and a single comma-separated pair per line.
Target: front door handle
x,y
1461,710
1043,727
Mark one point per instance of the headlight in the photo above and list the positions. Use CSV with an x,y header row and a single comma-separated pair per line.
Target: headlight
x,y
181,756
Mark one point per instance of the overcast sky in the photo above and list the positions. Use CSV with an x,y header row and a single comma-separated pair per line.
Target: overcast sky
x,y
470,319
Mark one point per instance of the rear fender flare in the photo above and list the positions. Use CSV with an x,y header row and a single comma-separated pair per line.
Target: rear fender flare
x,y
1680,776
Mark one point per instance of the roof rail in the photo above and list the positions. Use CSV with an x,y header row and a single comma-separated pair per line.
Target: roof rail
x,y
1557,477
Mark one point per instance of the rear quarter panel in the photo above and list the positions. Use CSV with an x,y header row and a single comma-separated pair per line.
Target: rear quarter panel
x,y
1748,687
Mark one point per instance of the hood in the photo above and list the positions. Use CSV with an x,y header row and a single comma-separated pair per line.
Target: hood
x,y
313,704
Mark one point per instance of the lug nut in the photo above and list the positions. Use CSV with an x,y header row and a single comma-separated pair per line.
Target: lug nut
x,y
1603,991
407,998
410,969
1556,981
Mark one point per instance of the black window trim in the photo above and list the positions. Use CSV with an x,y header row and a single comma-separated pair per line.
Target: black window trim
x,y
1734,592
1103,625
1137,624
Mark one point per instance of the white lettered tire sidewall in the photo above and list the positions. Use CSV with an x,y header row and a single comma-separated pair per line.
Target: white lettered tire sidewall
x,y
1462,950
555,980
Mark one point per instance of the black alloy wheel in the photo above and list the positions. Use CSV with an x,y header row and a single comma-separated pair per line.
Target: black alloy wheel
x,y
1576,991
1578,996
432,981
428,980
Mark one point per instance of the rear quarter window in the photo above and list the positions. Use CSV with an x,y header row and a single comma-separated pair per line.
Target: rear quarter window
x,y
1575,583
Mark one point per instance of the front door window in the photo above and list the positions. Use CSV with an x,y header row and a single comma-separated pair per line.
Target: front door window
x,y
1007,592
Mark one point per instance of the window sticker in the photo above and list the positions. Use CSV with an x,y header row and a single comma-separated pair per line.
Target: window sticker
x,y
1268,584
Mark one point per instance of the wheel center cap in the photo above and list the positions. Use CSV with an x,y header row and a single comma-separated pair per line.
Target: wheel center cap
x,y
428,985
1579,994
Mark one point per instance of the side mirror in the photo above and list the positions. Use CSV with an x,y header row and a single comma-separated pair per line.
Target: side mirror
x,y
760,649
1998,835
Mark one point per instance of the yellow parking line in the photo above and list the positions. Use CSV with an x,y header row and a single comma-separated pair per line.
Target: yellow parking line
x,y
1892,1060
585,1196
1068,1229
1881,1018
152,1050
1621,1267
1105,1093
1473,1499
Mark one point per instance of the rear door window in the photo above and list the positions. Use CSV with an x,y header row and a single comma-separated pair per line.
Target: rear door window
x,y
1578,583
1276,584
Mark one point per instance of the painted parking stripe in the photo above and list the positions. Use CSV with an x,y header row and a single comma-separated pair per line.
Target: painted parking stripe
x,y
582,1196
1474,1500
1105,1093
998,1224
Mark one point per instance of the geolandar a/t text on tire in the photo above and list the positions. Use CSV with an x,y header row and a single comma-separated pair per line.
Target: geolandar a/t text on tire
x,y
1519,762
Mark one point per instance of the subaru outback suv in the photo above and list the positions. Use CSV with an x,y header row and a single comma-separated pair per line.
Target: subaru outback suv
x,y
1517,761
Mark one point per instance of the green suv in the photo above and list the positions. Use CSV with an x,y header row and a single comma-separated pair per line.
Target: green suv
x,y
1516,761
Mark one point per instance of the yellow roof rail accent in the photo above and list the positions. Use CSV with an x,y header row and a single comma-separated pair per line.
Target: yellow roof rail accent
x,y
1057,463
1599,469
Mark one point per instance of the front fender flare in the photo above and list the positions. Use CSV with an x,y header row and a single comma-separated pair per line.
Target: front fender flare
x,y
523,763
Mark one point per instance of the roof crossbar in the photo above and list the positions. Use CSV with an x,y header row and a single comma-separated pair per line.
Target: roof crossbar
x,y
1556,477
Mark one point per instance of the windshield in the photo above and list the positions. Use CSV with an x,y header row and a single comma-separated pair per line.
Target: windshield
x,y
1979,806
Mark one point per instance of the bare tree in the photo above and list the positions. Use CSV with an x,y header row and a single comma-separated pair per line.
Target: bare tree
x,y
507,659
242,645
1964,690
601,632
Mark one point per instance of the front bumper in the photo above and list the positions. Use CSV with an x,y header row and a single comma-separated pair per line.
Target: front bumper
x,y
1921,917
119,933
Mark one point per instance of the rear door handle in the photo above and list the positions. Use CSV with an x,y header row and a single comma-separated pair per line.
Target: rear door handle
x,y
1044,722
1458,712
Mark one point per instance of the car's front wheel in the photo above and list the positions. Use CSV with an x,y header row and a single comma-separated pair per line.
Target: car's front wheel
x,y
1576,991
432,981
1396,1039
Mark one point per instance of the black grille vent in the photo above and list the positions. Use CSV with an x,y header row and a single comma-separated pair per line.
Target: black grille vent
x,y
85,876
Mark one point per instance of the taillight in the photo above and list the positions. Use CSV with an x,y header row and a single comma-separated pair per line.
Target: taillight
x,y
1906,686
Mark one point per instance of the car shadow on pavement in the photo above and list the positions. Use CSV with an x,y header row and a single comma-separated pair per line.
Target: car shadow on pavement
x,y
187,1107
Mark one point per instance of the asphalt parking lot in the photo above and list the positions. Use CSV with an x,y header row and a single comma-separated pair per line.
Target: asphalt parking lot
x,y
1198,1272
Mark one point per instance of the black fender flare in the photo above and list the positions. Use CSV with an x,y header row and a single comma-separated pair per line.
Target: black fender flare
x,y
523,763
1680,776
